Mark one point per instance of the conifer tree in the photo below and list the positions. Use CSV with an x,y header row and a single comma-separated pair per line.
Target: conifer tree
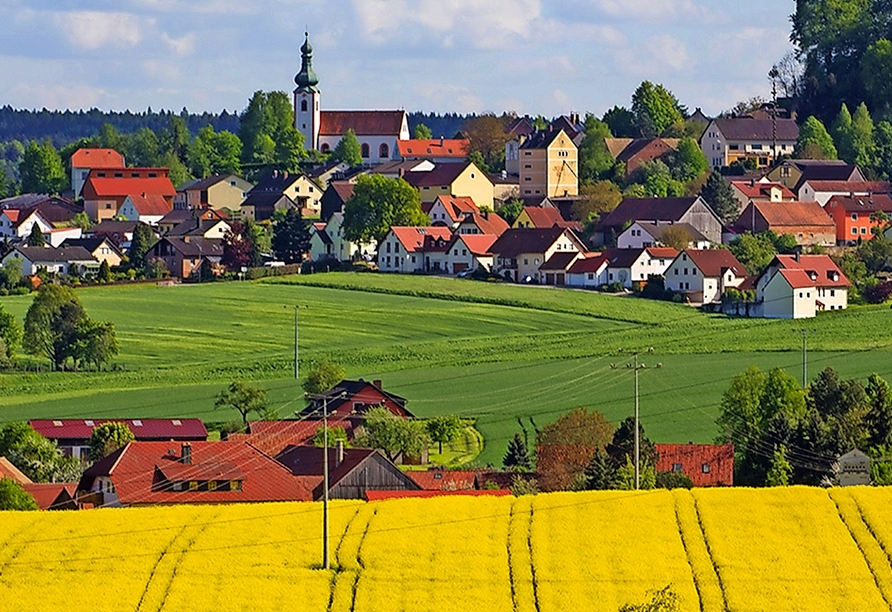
x,y
600,473
517,456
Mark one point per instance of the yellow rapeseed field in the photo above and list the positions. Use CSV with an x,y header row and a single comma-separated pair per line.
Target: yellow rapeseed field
x,y
793,549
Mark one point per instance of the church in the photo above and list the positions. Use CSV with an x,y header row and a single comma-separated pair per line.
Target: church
x,y
377,131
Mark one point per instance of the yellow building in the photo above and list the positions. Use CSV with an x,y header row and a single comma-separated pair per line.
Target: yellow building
x,y
460,179
549,165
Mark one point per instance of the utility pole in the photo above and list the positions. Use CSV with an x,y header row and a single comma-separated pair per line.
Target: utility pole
x,y
324,397
804,333
636,367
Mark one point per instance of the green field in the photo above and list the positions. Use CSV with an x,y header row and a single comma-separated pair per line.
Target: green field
x,y
494,352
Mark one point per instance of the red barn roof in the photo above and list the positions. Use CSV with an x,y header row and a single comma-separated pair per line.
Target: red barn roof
x,y
707,465
97,158
151,204
53,495
143,429
8,470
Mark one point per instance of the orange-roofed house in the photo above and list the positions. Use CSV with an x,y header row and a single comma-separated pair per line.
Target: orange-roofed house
x,y
84,160
854,216
484,222
445,480
707,465
703,276
440,150
449,210
543,217
798,286
149,209
53,495
105,190
470,252
414,249
806,221
752,189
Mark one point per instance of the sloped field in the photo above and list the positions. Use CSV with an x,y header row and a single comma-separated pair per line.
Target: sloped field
x,y
735,549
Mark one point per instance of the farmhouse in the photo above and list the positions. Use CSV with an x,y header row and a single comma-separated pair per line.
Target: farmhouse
x,y
74,261
822,191
707,465
519,253
470,251
794,173
855,216
482,223
694,211
806,221
798,286
414,249
352,398
703,276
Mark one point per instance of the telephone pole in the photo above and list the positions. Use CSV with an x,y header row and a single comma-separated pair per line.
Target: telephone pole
x,y
804,333
636,367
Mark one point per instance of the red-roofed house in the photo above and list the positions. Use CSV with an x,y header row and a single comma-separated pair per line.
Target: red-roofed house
x,y
752,189
445,480
482,223
853,215
470,251
806,221
351,398
149,209
797,286
377,496
703,276
16,223
143,473
589,272
409,249
519,253
821,191
53,495
72,436
84,160
8,470
105,190
449,210
435,150
627,266
707,465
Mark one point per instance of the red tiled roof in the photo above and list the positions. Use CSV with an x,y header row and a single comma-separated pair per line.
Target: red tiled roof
x,y
8,470
137,471
850,186
875,202
820,269
458,148
662,252
97,158
344,189
444,480
151,204
478,244
143,429
52,495
12,214
413,238
713,262
377,496
121,187
544,217
363,123
456,206
706,464
272,437
755,189
488,223
592,263
797,279
793,214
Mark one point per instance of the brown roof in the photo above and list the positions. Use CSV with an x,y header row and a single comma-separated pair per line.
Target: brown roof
x,y
616,145
363,123
544,217
97,158
591,263
713,262
648,209
850,186
793,214
747,128
559,261
755,189
443,174
866,204
528,240
488,223
443,480
195,246
456,206
655,148
344,189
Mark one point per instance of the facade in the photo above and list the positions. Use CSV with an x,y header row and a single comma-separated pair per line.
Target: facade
x,y
17,223
449,210
806,221
854,216
745,191
84,160
794,173
703,276
458,179
74,261
519,253
101,248
414,249
148,209
729,140
707,465
549,165
589,272
183,254
641,235
105,190
220,192
627,266
694,211
329,243
470,252
798,286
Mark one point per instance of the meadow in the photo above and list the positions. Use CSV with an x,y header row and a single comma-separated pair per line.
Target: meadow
x,y
745,550
499,353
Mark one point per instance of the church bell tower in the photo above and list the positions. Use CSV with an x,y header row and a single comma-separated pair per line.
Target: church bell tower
x,y
307,98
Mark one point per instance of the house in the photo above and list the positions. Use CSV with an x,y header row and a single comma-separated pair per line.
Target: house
x,y
58,212
519,253
643,234
470,252
183,254
399,169
484,222
323,174
335,198
149,209
796,172
203,228
555,269
806,221
57,236
178,216
17,223
628,266
703,276
798,286
84,160
549,164
72,436
53,495
740,139
329,242
265,196
438,150
377,131
506,187
73,261
120,233
409,249
821,191
453,179
105,190
220,192
589,272
351,398
707,465
854,216
693,210
543,217
352,471
261,206
223,472
633,152
752,189
101,248
449,210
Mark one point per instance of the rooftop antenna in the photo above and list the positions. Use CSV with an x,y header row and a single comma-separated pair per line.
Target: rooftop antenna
x,y
773,75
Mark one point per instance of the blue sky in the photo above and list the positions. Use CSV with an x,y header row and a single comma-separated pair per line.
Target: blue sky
x,y
527,56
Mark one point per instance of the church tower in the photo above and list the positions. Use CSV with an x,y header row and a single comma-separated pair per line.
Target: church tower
x,y
307,97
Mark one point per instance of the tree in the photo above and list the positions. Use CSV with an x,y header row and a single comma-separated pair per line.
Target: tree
x,y
81,220
11,332
782,395
510,210
621,122
214,153
41,169
781,472
96,342
35,237
876,75
673,480
878,419
14,497
621,449
814,141
842,134
143,240
595,160
655,108
377,204
422,132
444,429
51,323
594,199
291,237
488,136
717,192
566,446
245,244
244,398
267,132
687,162
322,377
657,180
104,275
676,237
38,458
740,418
335,434
600,473
517,456
109,437
393,435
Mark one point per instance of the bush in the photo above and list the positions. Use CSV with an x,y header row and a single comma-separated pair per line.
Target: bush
x,y
878,293
255,273
674,480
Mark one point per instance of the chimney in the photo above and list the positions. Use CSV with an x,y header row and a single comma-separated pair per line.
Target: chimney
x,y
186,456
339,453
376,383
442,140
797,257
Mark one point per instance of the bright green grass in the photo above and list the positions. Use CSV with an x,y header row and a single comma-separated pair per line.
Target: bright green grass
x,y
496,352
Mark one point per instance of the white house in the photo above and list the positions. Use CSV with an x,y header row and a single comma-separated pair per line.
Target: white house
x,y
520,252
450,210
798,286
73,261
589,272
703,276
149,209
409,249
821,191
329,243
470,251
731,139
626,266
16,222
57,235
644,234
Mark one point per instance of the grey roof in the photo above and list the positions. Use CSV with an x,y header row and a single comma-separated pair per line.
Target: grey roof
x,y
195,246
747,128
648,209
56,255
90,244
193,227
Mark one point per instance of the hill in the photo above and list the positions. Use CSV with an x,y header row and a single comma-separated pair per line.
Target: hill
x,y
722,549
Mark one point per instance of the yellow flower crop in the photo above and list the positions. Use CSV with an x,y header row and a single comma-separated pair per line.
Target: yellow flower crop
x,y
744,550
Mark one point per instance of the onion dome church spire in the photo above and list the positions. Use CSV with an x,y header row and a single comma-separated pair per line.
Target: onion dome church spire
x,y
306,79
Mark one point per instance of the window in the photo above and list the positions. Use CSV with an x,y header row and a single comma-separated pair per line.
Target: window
x,y
413,259
863,230
854,231
527,153
325,148
235,485
528,166
676,467
193,485
854,216
833,293
591,276
705,468
212,485
365,150
526,178
303,105
676,271
526,261
384,150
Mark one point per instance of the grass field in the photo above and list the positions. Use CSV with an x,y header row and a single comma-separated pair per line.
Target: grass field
x,y
786,549
494,352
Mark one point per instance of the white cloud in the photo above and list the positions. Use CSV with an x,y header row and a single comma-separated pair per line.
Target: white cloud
x,y
180,46
92,30
655,10
668,52
227,7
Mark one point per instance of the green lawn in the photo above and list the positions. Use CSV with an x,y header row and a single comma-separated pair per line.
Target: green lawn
x,y
495,352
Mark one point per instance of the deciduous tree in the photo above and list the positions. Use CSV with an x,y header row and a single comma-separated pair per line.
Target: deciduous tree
x,y
814,141
488,136
323,376
393,435
14,497
422,132
38,458
41,169
655,108
594,199
109,437
595,160
243,398
444,429
377,204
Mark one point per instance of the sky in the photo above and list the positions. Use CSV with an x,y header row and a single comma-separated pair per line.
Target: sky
x,y
546,57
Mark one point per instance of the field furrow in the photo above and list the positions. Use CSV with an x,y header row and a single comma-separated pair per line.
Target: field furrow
x,y
520,561
706,580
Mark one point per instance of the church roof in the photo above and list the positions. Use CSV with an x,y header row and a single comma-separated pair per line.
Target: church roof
x,y
363,123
